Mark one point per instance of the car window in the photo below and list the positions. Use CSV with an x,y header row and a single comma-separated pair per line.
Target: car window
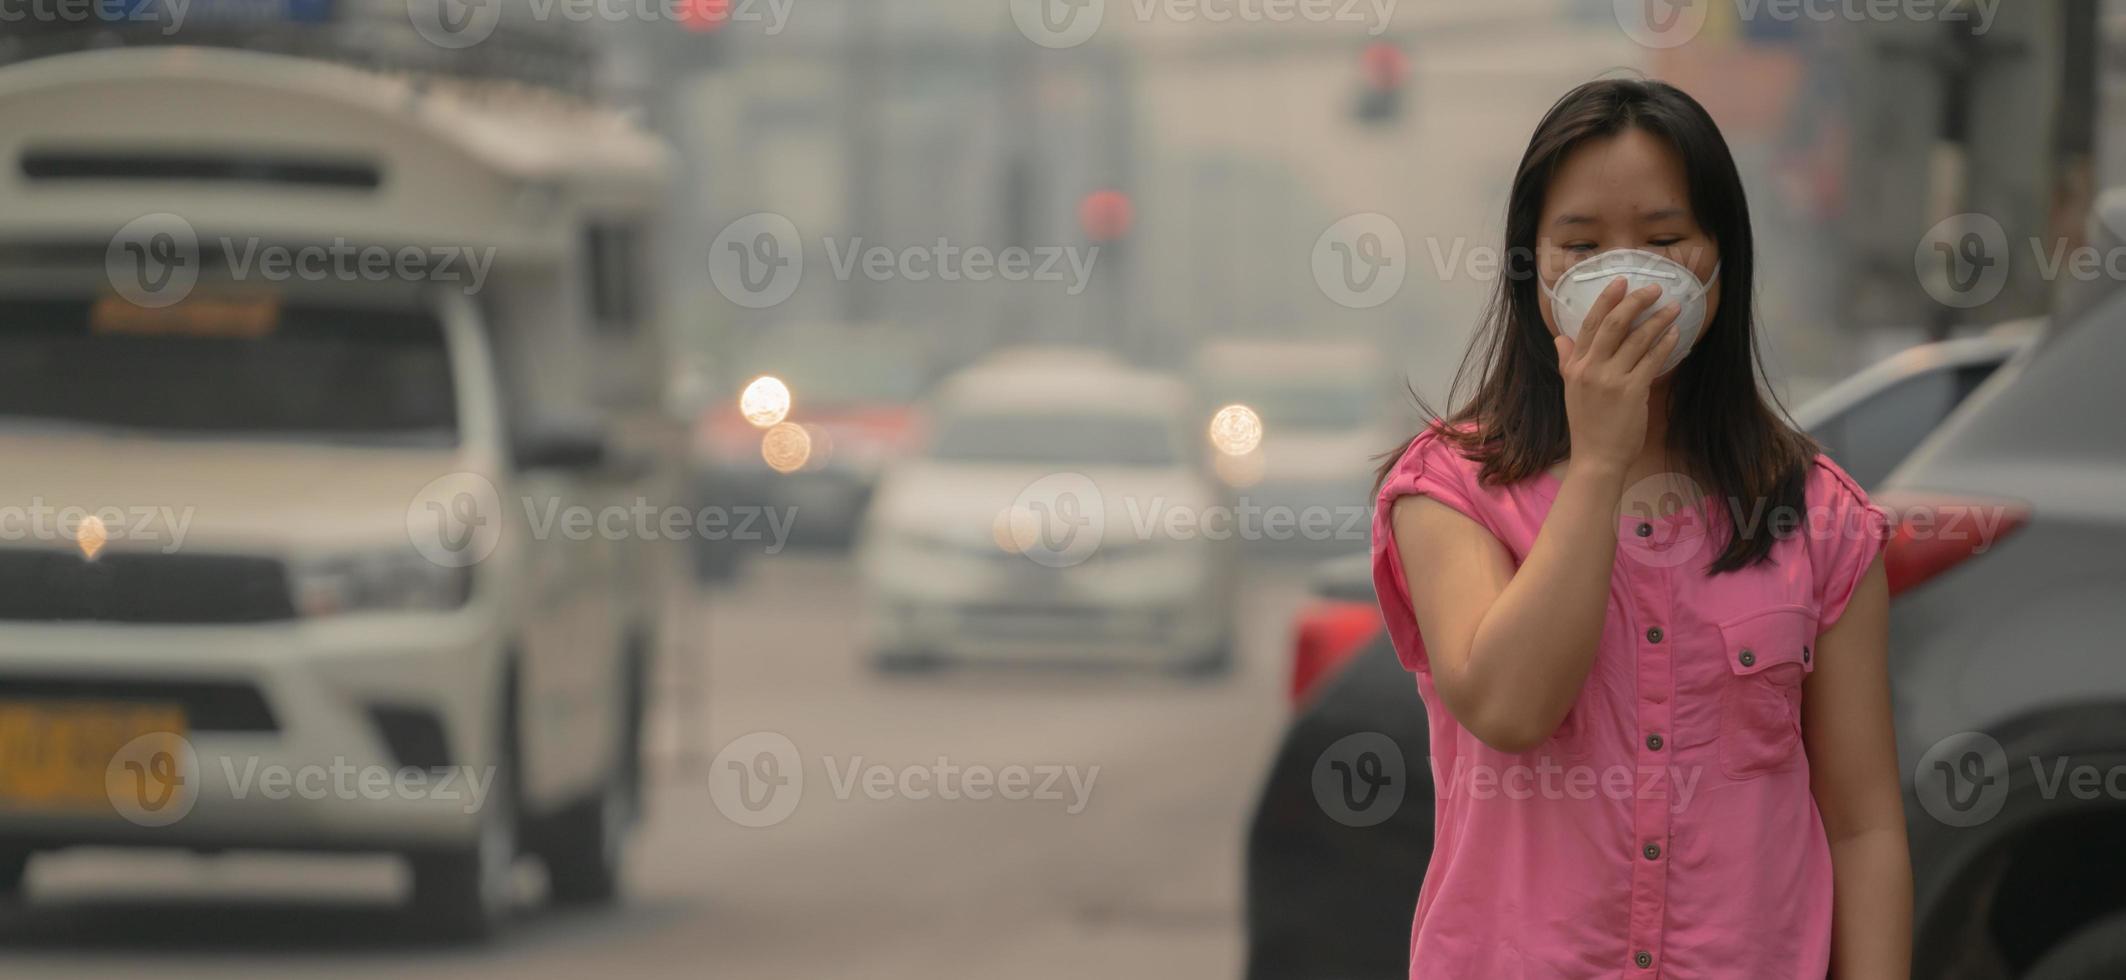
x,y
260,363
1872,437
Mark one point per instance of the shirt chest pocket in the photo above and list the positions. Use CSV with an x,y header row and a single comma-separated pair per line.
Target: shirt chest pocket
x,y
1769,652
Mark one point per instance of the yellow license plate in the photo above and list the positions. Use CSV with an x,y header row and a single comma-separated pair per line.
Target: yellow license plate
x,y
64,755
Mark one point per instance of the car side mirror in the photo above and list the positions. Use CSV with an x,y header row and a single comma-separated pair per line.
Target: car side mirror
x,y
560,445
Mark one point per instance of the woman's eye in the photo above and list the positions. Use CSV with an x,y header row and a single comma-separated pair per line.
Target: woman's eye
x,y
1580,247
1667,242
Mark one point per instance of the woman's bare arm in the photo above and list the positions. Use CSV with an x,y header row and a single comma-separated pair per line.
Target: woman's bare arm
x,y
1852,746
1510,649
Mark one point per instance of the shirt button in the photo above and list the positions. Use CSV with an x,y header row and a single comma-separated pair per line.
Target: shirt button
x,y
1645,530
1653,852
1804,654
1748,657
1653,634
1643,959
1654,741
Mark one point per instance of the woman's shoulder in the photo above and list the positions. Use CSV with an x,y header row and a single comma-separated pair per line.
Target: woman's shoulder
x,y
1435,463
1845,533
1830,486
1439,446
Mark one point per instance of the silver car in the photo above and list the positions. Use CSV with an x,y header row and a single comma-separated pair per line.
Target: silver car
x,y
2008,663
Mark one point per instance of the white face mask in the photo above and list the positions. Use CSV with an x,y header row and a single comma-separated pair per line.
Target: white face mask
x,y
1576,291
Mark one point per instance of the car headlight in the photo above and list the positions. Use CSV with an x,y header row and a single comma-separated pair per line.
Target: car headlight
x,y
383,581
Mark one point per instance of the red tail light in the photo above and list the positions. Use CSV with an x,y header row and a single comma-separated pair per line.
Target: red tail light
x,y
1326,634
1931,535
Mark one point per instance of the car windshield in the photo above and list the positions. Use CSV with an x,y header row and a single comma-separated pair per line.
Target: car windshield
x,y
1305,404
1065,439
223,362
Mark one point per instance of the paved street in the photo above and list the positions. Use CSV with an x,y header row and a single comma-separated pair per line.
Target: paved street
x,y
1144,881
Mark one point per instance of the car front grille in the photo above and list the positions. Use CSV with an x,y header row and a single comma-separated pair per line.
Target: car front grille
x,y
209,706
43,585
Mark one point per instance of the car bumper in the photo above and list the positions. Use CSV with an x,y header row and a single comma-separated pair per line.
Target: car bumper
x,y
298,729
1021,611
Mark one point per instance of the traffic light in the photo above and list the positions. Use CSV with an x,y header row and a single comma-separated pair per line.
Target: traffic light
x,y
1105,215
1383,69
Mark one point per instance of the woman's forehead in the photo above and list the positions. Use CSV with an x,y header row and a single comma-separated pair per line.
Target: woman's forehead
x,y
1634,175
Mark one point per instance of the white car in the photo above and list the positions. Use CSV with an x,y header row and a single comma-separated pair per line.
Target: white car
x,y
273,572
1308,484
1060,511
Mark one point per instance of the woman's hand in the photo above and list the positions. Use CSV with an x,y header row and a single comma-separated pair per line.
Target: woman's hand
x,y
1609,372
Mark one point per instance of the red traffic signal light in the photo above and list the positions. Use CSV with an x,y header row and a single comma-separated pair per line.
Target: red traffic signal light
x,y
1105,215
703,16
1384,65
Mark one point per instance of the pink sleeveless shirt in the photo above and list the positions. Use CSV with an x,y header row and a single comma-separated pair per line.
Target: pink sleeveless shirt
x,y
1666,829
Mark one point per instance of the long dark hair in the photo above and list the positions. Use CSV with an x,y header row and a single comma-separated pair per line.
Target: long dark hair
x,y
1720,419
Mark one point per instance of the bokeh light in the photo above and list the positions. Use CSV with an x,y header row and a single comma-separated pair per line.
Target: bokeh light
x,y
786,447
765,402
1236,430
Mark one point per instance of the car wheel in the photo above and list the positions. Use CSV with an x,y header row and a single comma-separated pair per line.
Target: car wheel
x,y
585,847
14,873
586,854
2095,952
466,893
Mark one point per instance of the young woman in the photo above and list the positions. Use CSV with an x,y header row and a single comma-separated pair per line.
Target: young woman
x,y
1647,618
